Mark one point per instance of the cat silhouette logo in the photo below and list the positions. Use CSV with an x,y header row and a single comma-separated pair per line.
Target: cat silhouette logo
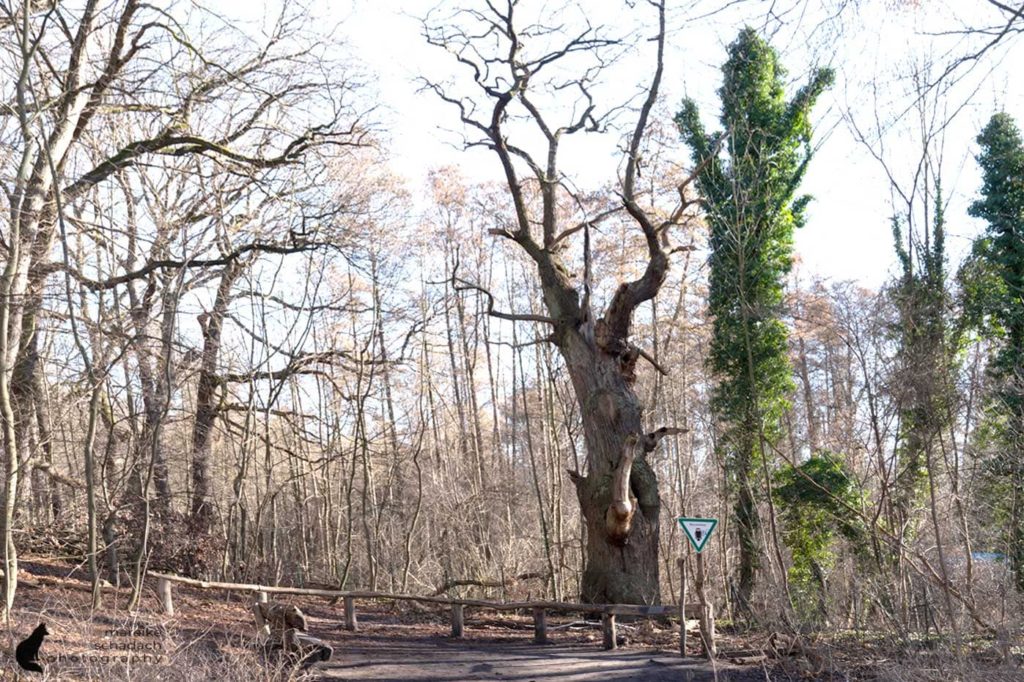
x,y
27,653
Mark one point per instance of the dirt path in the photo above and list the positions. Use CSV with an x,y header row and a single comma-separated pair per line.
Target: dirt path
x,y
441,659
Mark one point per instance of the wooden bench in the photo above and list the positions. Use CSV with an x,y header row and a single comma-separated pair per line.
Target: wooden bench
x,y
283,627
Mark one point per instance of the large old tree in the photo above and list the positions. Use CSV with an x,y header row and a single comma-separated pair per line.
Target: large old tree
x,y
519,72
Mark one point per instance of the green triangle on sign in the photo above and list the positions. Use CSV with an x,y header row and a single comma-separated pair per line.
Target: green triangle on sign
x,y
698,531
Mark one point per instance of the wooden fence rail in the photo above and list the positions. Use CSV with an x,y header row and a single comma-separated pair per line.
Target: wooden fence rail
x,y
540,609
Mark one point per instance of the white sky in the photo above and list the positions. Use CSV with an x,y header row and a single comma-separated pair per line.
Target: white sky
x,y
848,235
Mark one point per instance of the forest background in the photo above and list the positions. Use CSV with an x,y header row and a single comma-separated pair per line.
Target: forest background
x,y
249,264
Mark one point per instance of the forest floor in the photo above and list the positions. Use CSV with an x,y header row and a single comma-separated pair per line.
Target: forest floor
x,y
212,637
442,659
417,647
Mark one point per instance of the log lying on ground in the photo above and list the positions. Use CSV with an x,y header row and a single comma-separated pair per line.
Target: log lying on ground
x,y
493,584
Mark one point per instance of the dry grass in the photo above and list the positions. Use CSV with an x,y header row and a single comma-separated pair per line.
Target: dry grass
x,y
212,637
207,639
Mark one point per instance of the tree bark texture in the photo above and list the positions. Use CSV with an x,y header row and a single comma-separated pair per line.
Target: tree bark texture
x,y
206,402
620,544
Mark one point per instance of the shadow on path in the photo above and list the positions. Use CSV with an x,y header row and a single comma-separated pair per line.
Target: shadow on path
x,y
440,659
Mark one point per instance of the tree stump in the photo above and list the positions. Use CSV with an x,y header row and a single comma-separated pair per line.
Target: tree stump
x,y
284,628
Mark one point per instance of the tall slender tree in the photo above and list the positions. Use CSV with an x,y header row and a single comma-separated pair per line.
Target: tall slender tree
x,y
1001,249
924,360
748,175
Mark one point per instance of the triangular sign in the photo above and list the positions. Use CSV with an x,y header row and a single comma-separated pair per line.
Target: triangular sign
x,y
698,530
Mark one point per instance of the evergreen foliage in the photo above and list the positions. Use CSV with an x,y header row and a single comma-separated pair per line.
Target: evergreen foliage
x,y
998,260
748,175
816,498
925,359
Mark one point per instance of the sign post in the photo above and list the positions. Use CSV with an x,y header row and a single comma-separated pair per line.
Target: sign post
x,y
699,531
682,606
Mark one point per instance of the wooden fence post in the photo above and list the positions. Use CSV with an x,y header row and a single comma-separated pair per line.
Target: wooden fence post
x,y
540,625
163,588
262,597
457,621
608,629
350,614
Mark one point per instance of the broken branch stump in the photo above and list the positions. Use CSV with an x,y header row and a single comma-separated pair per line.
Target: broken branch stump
x,y
282,627
308,648
262,628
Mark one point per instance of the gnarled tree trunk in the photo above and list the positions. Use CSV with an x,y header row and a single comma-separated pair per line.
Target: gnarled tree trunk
x,y
619,496
618,493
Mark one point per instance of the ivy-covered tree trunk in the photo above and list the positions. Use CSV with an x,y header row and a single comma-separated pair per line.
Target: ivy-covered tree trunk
x,y
995,291
747,177
923,380
1013,471
815,498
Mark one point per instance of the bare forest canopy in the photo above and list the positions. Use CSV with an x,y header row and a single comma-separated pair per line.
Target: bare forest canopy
x,y
239,343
